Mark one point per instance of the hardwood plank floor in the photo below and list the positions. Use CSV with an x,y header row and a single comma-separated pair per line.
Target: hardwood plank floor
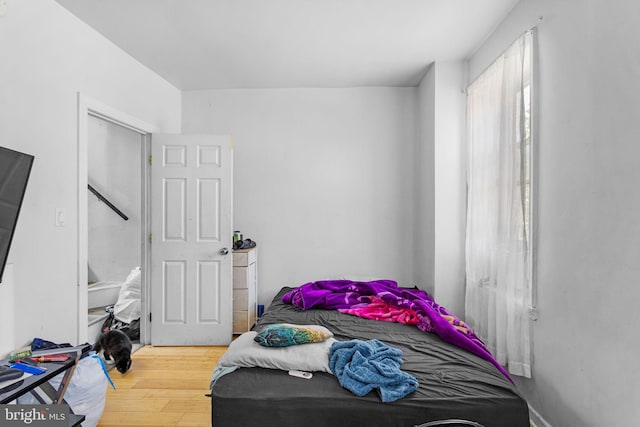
x,y
165,386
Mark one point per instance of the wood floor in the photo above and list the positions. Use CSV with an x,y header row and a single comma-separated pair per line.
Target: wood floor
x,y
165,386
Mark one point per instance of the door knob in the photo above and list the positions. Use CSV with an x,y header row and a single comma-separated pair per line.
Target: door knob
x,y
224,251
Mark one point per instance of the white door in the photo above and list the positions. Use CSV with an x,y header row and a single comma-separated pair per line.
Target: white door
x,y
191,226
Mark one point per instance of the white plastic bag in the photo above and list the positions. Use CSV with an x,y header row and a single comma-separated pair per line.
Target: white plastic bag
x,y
87,391
127,309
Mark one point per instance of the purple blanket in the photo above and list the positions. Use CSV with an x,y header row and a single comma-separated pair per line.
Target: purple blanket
x,y
344,294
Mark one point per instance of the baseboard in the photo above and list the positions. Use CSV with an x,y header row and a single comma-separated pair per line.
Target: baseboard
x,y
536,419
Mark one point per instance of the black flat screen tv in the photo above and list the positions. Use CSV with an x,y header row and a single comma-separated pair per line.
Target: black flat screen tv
x,y
15,168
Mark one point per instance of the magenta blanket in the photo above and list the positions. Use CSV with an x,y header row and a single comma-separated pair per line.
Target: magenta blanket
x,y
346,294
380,310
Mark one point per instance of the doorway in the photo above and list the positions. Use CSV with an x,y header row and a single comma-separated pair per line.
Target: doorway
x,y
113,215
114,220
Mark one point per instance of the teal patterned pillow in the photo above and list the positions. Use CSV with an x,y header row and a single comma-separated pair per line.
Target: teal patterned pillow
x,y
286,334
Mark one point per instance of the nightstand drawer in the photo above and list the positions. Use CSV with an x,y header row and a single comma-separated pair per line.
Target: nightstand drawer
x,y
240,299
243,320
244,277
244,299
240,322
244,257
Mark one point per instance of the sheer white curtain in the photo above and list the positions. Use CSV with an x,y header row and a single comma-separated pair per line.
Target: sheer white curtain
x,y
498,288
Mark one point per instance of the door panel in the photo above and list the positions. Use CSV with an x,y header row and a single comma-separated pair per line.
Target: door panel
x,y
174,210
208,210
191,287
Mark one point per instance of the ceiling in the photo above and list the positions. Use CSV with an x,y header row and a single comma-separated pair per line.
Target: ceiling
x,y
219,44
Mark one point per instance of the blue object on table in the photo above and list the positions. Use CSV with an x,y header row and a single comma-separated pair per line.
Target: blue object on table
x,y
30,369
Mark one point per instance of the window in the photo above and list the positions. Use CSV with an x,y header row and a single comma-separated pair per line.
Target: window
x,y
499,206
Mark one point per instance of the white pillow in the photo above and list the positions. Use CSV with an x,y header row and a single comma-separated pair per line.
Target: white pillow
x,y
244,352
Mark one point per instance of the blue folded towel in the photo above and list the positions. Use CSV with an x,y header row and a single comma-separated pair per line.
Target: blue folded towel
x,y
361,366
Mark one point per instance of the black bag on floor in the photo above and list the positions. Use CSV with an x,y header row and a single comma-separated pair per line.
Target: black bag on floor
x,y
133,330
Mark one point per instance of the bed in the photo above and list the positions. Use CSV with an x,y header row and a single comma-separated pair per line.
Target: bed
x,y
453,383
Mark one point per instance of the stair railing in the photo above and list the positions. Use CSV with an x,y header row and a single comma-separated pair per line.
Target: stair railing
x,y
107,202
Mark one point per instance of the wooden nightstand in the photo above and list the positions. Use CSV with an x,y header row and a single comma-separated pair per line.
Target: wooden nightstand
x,y
245,284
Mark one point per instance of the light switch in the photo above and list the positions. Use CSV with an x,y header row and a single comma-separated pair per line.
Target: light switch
x,y
61,215
3,7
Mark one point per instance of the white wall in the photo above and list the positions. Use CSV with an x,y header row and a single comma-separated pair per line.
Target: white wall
x,y
323,178
115,171
425,181
48,56
585,346
442,184
115,164
450,192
